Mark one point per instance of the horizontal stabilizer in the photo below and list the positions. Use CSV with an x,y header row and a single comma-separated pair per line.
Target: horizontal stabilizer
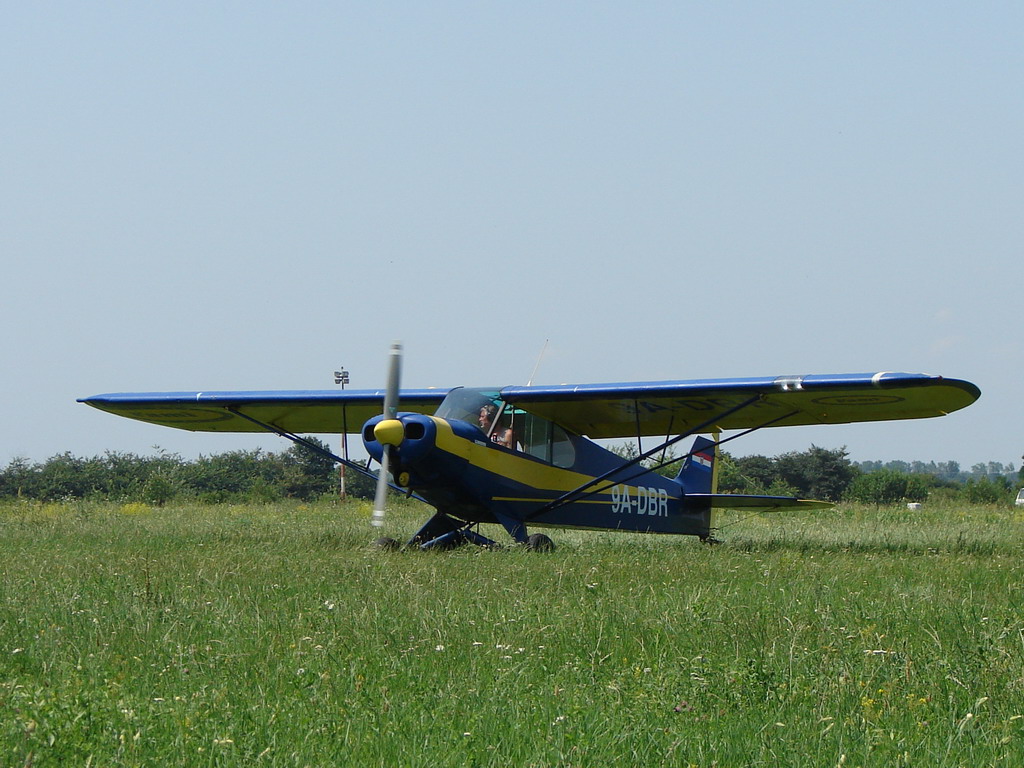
x,y
757,503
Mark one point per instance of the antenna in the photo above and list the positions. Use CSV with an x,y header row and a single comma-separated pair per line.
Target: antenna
x,y
537,365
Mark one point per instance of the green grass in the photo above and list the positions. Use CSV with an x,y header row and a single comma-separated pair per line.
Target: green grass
x,y
275,636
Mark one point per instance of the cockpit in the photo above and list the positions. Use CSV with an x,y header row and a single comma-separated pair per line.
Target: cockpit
x,y
508,426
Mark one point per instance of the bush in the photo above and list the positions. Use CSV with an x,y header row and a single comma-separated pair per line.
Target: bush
x,y
887,486
988,490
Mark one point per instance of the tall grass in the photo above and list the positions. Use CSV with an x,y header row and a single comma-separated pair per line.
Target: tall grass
x,y
275,636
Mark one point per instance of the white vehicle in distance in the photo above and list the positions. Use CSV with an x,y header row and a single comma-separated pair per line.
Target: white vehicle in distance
x,y
1020,498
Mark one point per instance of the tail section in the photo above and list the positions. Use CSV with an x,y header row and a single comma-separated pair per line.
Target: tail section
x,y
702,500
698,470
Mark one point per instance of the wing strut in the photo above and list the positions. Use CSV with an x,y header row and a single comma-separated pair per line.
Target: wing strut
x,y
299,440
581,491
685,456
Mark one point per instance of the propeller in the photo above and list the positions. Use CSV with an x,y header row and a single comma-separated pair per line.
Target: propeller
x,y
388,431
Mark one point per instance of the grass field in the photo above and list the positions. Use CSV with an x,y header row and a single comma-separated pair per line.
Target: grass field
x,y
275,636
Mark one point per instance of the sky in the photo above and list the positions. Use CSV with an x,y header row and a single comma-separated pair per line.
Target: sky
x,y
248,195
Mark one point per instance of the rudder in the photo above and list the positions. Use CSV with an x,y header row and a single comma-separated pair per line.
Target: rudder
x,y
698,470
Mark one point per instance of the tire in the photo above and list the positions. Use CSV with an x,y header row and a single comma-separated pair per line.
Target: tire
x,y
538,542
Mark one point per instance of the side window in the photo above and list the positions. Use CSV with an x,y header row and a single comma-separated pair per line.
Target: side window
x,y
563,452
547,441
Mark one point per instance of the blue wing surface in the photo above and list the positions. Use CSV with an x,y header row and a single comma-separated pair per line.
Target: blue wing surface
x,y
596,410
676,407
296,411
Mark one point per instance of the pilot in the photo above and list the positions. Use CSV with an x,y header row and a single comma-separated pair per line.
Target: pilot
x,y
502,435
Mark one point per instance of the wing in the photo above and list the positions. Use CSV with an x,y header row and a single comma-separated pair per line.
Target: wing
x,y
298,412
677,407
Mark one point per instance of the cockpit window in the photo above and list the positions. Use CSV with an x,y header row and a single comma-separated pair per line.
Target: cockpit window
x,y
506,425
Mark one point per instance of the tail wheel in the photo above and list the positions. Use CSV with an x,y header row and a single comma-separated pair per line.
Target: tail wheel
x,y
538,542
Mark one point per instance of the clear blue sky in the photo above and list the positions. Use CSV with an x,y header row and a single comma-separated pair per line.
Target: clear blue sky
x,y
246,195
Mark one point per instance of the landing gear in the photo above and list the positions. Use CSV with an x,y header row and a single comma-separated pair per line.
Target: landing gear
x,y
538,542
387,544
436,531
445,532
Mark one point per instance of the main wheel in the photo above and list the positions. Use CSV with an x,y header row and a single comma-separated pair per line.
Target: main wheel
x,y
538,542
387,544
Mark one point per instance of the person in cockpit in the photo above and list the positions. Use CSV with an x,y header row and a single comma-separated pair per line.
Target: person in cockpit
x,y
500,434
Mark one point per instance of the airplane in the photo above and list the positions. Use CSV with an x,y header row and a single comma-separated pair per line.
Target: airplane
x,y
526,457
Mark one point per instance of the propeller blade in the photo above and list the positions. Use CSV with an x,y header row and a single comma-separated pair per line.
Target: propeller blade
x,y
381,496
390,409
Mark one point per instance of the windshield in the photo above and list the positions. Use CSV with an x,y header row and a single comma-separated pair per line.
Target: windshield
x,y
464,404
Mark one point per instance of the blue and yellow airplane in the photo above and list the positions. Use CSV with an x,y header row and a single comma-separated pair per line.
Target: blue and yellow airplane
x,y
525,457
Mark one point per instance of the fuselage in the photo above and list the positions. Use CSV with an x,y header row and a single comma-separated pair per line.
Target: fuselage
x,y
459,469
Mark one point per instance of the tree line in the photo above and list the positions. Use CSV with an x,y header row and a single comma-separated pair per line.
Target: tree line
x,y
306,474
819,473
944,470
233,476
829,475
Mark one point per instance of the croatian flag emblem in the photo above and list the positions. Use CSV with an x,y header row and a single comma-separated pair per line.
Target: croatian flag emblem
x,y
703,459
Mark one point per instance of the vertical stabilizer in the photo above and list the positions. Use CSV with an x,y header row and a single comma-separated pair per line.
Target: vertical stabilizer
x,y
698,470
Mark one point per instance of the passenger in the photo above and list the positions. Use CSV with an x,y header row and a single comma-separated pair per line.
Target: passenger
x,y
502,434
